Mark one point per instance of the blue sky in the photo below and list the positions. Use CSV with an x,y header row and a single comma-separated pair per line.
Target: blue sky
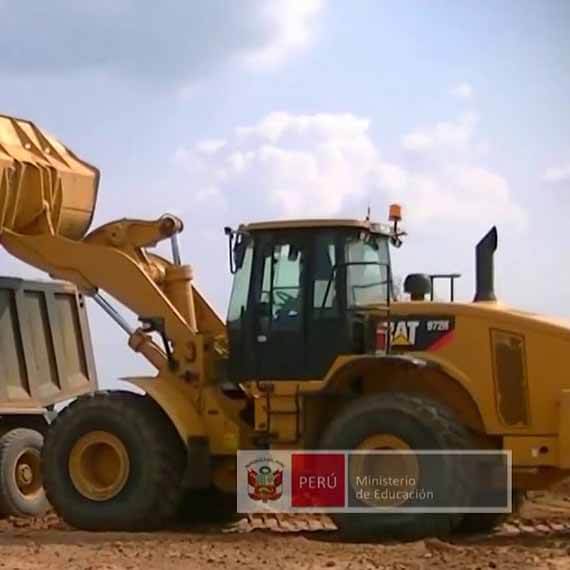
x,y
235,111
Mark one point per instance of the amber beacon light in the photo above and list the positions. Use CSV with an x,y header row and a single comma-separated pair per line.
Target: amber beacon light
x,y
395,213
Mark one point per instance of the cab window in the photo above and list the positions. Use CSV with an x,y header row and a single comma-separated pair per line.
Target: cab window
x,y
324,288
367,259
281,286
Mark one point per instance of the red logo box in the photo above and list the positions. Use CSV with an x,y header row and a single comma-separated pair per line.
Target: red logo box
x,y
317,480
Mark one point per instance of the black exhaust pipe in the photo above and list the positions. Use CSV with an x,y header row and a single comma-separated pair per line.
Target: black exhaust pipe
x,y
485,272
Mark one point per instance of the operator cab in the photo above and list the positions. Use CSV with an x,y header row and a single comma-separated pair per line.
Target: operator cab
x,y
304,292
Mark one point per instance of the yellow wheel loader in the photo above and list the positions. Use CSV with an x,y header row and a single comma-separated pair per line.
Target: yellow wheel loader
x,y
315,354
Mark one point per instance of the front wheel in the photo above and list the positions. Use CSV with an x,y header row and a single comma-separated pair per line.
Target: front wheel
x,y
400,421
113,461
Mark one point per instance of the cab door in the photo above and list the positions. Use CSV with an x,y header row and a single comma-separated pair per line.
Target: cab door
x,y
279,307
241,362
327,333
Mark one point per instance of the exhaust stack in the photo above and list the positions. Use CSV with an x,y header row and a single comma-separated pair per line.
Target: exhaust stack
x,y
485,272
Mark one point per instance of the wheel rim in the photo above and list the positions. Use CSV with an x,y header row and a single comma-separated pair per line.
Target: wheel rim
x,y
27,473
99,465
403,467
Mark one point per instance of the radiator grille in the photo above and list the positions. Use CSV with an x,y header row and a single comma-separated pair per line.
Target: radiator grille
x,y
509,368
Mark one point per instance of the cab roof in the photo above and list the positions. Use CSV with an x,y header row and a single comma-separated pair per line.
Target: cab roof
x,y
365,225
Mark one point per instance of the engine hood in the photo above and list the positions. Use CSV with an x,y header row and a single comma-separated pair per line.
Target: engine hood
x,y
496,312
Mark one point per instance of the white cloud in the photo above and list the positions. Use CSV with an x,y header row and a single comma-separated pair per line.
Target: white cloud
x,y
457,194
167,41
296,165
292,22
417,141
210,146
462,90
328,165
446,135
557,174
450,182
321,126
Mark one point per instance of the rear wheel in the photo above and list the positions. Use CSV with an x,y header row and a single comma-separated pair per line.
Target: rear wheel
x,y
113,461
21,490
398,421
485,522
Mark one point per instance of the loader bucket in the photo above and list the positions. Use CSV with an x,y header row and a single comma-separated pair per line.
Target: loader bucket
x,y
44,187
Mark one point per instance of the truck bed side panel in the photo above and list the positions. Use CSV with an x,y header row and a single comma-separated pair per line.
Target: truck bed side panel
x,y
46,354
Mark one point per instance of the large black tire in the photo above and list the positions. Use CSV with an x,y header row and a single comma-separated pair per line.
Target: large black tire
x,y
151,492
21,490
485,522
422,424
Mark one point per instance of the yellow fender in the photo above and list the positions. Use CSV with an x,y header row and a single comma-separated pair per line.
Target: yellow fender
x,y
345,365
177,401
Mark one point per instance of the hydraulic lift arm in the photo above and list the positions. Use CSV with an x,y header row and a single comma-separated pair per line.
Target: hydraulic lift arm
x,y
47,198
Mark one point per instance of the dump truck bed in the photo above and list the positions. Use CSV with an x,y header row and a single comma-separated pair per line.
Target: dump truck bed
x,y
46,354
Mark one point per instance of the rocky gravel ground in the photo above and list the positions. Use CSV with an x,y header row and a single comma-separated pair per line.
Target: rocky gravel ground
x,y
538,538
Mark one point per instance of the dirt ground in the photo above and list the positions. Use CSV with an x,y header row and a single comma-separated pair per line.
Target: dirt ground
x,y
538,538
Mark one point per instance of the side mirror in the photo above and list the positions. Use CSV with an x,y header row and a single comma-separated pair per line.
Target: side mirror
x,y
239,252
237,247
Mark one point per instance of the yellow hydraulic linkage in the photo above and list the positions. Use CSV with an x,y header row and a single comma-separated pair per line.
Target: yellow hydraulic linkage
x,y
47,199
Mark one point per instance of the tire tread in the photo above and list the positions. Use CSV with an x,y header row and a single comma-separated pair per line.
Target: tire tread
x,y
164,450
451,434
8,505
